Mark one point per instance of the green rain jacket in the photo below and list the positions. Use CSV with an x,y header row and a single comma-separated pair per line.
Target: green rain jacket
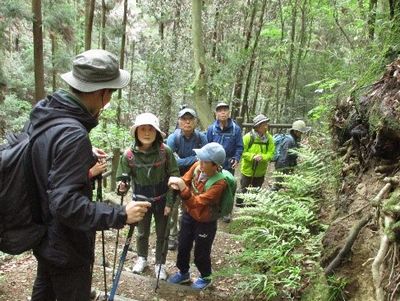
x,y
265,148
151,172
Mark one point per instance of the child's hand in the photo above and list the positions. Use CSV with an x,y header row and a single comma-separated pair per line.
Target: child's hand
x,y
176,183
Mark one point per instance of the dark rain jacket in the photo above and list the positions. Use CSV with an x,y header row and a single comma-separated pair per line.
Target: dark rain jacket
x,y
287,159
230,138
62,156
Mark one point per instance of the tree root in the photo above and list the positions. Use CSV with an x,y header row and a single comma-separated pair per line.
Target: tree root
x,y
381,194
378,264
386,168
348,153
350,167
348,244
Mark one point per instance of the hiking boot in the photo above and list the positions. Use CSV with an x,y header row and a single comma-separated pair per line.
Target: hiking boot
x,y
140,265
200,283
163,273
172,245
179,278
227,219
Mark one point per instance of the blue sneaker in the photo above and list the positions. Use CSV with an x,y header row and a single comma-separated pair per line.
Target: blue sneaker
x,y
201,283
179,278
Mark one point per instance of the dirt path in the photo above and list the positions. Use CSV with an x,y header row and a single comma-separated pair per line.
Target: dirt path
x,y
18,272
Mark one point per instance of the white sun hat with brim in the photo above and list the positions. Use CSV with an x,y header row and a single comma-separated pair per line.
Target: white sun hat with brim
x,y
300,125
213,152
94,70
147,119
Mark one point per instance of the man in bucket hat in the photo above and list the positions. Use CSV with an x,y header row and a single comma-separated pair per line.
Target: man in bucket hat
x,y
258,150
199,219
62,158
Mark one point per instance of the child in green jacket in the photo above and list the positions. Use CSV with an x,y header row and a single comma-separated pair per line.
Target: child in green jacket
x,y
149,163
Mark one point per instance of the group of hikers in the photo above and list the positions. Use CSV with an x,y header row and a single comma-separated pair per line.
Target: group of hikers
x,y
169,181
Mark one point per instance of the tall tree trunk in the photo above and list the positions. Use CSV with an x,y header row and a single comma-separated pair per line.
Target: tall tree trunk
x,y
200,82
302,43
245,107
89,14
237,92
103,23
53,60
214,42
38,50
257,86
215,32
122,58
278,70
289,71
130,93
165,88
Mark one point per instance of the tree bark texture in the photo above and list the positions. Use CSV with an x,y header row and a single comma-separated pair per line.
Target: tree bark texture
x,y
103,23
289,71
122,57
244,110
38,50
237,90
200,82
89,14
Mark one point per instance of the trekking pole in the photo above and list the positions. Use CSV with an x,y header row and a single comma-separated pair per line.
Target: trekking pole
x,y
116,244
117,238
100,199
164,247
254,167
121,262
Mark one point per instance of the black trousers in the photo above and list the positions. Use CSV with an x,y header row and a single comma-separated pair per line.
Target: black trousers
x,y
54,283
245,182
202,234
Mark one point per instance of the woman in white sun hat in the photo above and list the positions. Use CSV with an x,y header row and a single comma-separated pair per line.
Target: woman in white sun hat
x,y
149,163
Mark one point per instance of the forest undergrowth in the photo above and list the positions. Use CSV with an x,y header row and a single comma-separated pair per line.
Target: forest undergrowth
x,y
282,231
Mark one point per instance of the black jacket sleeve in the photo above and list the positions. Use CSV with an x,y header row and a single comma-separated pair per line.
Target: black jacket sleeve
x,y
69,189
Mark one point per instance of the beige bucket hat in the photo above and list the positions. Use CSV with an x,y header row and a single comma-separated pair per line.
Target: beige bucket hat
x,y
147,118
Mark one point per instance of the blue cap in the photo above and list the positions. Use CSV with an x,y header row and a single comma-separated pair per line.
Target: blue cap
x,y
211,152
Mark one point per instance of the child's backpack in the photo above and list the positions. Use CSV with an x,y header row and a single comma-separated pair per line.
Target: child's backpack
x,y
21,228
228,197
278,140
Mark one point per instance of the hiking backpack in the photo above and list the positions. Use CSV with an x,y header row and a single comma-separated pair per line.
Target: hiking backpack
x,y
178,135
21,227
278,140
130,156
253,138
228,196
224,134
163,161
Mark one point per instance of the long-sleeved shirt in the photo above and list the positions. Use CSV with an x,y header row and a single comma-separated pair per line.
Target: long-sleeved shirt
x,y
203,206
183,147
149,179
230,137
287,158
264,147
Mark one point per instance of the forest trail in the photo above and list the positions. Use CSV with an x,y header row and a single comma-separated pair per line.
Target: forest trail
x,y
18,272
